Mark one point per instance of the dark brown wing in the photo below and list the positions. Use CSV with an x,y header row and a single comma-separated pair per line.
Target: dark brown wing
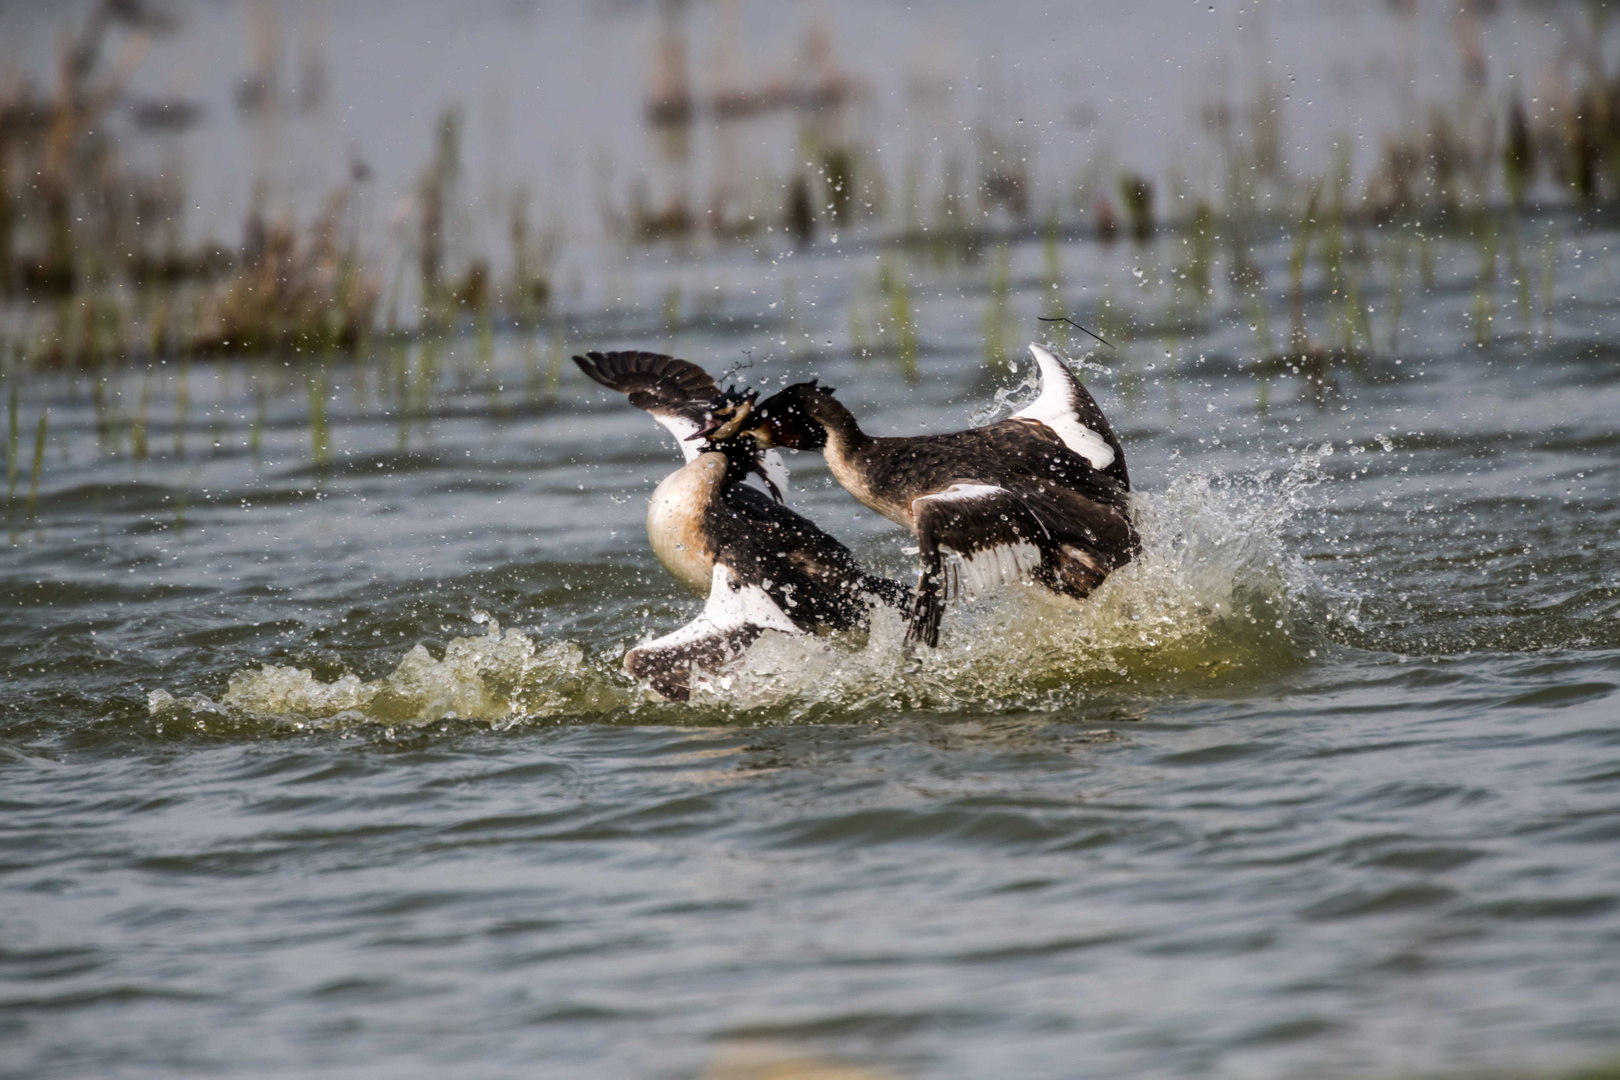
x,y
652,380
674,392
809,573
989,526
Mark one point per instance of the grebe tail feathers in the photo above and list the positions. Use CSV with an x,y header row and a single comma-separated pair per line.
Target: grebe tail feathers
x,y
1067,407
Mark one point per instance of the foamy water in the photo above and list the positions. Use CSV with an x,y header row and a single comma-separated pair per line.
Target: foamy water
x,y
1215,591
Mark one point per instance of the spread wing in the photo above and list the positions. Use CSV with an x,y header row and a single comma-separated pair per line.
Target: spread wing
x,y
998,537
734,617
676,393
1067,407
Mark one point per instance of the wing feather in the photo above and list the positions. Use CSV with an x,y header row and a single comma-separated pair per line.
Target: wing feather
x,y
734,617
677,393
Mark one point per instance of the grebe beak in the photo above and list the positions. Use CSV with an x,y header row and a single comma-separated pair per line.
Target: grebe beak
x,y
727,422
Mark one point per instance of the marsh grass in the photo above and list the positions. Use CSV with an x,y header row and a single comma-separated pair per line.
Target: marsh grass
x,y
1485,287
899,331
996,316
38,467
318,388
13,435
105,291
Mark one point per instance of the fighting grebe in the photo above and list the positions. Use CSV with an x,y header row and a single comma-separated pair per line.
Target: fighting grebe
x,y
1040,494
762,566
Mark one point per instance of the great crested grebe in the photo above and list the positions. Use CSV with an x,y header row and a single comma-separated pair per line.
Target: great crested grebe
x,y
1041,494
762,566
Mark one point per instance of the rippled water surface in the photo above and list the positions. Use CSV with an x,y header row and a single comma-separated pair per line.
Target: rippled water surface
x,y
327,767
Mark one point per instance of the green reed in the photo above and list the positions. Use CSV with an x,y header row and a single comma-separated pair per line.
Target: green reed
x,y
39,463
534,375
1548,255
1053,282
672,313
1299,334
797,340
1485,288
1400,255
1260,324
319,436
98,403
260,408
137,431
13,434
182,405
1202,243
902,325
906,326
995,312
554,361
1520,277
857,328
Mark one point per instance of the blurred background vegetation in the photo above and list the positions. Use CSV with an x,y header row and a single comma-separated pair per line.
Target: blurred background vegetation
x,y
351,184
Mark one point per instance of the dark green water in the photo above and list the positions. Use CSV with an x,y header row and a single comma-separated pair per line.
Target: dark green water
x,y
1327,784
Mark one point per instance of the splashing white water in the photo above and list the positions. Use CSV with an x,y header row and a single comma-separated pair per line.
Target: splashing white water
x,y
498,678
1213,592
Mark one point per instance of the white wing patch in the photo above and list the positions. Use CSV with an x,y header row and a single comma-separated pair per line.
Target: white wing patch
x,y
680,427
732,620
988,570
1055,408
730,607
962,493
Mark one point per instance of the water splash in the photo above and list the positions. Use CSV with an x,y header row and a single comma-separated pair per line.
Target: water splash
x,y
499,678
1215,592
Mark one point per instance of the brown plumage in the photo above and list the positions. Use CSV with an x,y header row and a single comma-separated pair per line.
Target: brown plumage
x,y
780,571
1022,491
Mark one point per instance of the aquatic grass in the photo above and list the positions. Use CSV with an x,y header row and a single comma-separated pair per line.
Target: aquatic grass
x,y
534,374
672,312
906,327
995,311
900,332
319,436
1400,253
38,465
1202,243
1549,255
13,433
1136,195
182,404
554,361
857,327
1485,287
1519,277
1299,251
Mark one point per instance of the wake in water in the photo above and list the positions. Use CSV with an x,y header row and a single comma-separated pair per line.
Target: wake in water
x,y
1214,593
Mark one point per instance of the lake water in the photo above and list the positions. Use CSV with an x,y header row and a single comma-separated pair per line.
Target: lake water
x,y
328,767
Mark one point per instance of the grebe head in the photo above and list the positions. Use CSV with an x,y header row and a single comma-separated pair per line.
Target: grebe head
x,y
795,417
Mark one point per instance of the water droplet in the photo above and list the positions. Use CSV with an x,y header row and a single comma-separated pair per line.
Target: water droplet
x,y
1138,271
